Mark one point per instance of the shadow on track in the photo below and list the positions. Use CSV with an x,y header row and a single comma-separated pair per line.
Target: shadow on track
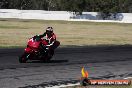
x,y
52,61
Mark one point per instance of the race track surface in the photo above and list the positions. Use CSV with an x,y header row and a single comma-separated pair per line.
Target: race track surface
x,y
102,62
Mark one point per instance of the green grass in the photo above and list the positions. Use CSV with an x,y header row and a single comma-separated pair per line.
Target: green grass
x,y
15,33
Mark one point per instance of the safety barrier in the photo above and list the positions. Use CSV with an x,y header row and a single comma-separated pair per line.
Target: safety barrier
x,y
64,15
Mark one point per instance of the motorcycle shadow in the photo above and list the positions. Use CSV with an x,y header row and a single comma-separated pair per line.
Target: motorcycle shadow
x,y
51,61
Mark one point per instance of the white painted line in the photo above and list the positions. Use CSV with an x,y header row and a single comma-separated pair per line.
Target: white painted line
x,y
64,85
68,85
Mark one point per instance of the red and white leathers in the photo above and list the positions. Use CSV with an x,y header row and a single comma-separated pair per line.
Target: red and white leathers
x,y
51,39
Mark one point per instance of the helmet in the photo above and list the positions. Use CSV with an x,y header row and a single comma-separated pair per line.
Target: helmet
x,y
49,30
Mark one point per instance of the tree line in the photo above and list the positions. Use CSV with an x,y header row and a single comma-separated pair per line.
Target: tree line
x,y
105,6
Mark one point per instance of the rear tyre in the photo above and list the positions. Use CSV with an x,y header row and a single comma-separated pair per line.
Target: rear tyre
x,y
46,59
51,54
48,56
23,58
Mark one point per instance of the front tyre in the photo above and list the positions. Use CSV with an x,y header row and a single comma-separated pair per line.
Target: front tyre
x,y
23,58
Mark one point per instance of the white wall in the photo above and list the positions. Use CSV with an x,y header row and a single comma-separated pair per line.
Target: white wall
x,y
34,14
63,15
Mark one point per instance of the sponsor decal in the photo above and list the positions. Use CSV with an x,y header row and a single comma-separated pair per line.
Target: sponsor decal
x,y
85,81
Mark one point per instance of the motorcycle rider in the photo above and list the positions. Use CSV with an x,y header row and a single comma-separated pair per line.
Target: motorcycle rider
x,y
50,37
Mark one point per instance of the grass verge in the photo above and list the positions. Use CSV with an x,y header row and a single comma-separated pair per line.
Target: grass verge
x,y
15,32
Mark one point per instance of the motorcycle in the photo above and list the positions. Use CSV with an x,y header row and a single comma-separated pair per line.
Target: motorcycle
x,y
37,49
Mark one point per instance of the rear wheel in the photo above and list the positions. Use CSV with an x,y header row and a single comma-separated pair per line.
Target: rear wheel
x,y
51,54
23,58
46,60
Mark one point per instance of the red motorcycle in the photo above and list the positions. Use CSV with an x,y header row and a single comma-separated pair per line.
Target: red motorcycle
x,y
37,49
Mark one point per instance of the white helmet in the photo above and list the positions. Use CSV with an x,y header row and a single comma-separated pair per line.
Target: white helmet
x,y
49,30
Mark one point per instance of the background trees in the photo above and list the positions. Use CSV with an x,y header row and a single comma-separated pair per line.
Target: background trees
x,y
105,6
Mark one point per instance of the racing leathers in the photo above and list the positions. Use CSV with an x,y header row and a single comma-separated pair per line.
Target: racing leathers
x,y
51,39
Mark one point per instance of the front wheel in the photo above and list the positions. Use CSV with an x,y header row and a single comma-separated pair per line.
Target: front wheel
x,y
24,58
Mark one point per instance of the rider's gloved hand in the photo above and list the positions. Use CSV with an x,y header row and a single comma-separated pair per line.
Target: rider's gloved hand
x,y
48,45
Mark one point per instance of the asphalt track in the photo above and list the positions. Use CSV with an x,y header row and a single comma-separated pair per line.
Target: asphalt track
x,y
102,62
